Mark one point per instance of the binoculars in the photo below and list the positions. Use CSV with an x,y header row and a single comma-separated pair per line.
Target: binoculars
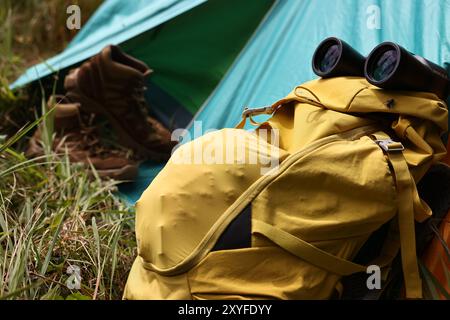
x,y
388,66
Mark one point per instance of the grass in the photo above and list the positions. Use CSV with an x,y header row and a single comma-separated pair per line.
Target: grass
x,y
33,30
54,215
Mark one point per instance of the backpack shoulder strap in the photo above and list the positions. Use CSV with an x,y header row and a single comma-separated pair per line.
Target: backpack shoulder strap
x,y
410,207
305,250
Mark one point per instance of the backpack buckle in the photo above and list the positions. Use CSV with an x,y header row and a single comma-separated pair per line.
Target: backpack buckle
x,y
389,145
250,112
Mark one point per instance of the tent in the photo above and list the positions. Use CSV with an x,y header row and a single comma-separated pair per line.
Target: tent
x,y
212,58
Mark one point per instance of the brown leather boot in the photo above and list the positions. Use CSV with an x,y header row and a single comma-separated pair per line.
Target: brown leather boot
x,y
113,84
83,143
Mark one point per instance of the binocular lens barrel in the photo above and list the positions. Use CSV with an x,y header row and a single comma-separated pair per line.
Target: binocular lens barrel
x,y
334,57
390,66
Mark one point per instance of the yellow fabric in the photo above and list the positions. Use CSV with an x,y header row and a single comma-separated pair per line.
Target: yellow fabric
x,y
408,203
332,198
144,284
333,188
422,113
192,196
406,225
306,251
258,273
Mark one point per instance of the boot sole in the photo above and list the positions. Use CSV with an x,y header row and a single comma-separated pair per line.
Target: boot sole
x,y
127,172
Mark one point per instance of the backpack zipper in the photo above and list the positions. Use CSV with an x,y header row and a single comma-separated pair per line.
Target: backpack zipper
x,y
208,241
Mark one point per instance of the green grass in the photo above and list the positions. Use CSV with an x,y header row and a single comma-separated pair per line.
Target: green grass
x,y
53,213
33,30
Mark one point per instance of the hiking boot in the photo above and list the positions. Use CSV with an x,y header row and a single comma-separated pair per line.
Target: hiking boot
x,y
82,143
112,84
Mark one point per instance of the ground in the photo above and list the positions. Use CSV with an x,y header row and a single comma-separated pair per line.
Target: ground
x,y
54,219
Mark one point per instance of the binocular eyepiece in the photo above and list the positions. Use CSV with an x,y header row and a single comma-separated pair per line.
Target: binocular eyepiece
x,y
388,66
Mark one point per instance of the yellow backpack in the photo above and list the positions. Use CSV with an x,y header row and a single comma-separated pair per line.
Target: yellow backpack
x,y
349,156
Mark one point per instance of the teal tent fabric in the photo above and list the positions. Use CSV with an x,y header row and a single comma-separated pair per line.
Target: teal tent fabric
x,y
187,65
191,53
278,55
114,22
